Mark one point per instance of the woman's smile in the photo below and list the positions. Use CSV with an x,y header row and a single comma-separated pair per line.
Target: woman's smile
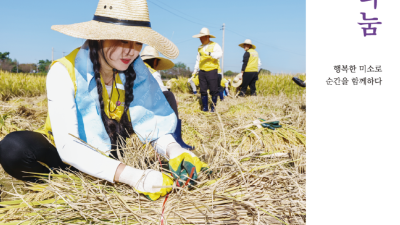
x,y
126,61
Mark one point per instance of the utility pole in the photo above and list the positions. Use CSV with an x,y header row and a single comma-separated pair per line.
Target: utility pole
x,y
223,48
52,55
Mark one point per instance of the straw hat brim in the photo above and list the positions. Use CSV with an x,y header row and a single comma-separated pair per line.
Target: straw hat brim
x,y
242,45
238,83
163,63
94,30
201,35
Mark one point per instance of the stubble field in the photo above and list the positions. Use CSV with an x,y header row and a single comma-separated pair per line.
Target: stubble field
x,y
259,175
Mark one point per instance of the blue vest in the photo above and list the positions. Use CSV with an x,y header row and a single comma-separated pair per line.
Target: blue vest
x,y
150,112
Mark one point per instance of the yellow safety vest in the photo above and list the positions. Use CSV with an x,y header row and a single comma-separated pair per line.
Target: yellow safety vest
x,y
223,81
219,68
116,105
252,65
208,63
149,67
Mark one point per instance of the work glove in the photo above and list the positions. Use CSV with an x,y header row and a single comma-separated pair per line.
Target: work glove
x,y
184,164
271,125
147,182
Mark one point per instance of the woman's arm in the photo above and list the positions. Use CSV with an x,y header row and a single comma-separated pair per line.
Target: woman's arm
x,y
63,118
196,65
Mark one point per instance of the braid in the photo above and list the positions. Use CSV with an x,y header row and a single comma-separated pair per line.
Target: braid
x,y
112,127
130,75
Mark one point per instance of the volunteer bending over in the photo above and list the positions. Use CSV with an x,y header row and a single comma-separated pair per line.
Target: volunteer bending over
x,y
99,92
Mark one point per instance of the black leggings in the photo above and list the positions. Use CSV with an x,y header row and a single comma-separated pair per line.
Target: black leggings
x,y
21,152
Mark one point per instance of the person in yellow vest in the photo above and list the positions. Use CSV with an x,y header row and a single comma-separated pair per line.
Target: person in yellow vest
x,y
154,62
101,93
207,64
250,68
224,88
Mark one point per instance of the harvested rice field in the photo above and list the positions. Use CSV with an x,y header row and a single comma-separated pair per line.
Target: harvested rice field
x,y
258,175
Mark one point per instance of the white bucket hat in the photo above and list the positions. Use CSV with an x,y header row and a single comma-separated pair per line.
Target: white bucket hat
x,y
204,32
151,53
236,81
247,41
121,20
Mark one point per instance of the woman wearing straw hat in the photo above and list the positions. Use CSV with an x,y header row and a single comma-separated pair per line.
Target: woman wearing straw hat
x,y
250,67
207,62
100,92
154,62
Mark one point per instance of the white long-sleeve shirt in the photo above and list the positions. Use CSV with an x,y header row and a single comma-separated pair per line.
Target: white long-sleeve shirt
x,y
63,118
157,76
216,54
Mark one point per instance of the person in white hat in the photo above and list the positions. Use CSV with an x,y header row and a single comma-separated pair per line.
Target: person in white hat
x,y
101,93
250,68
154,62
207,62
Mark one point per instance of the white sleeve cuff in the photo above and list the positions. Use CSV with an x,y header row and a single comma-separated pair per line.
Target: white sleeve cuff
x,y
161,144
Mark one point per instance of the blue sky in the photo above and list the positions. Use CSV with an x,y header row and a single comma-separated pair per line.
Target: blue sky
x,y
277,28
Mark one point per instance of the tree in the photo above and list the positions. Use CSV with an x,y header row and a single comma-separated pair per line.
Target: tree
x,y
229,73
179,69
5,62
4,56
44,65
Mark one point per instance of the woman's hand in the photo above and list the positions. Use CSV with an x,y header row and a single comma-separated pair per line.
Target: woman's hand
x,y
151,183
184,164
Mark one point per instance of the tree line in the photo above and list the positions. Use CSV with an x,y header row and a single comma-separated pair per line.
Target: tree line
x,y
12,65
7,64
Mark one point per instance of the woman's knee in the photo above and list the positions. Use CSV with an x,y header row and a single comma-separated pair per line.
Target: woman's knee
x,y
16,157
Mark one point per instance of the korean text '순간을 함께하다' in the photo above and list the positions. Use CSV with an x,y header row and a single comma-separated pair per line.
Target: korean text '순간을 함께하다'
x,y
354,81
369,26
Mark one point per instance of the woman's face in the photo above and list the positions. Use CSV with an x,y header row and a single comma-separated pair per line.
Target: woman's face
x,y
120,54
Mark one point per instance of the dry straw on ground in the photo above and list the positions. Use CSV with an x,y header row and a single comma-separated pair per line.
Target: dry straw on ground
x,y
258,174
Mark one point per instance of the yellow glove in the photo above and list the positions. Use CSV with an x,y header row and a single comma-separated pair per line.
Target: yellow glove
x,y
159,192
147,182
184,164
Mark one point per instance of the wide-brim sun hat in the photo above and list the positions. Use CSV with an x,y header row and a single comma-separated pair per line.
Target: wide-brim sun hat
x,y
121,20
151,53
236,81
204,32
247,41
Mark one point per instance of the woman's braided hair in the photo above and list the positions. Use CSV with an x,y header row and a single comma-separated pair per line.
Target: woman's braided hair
x,y
113,128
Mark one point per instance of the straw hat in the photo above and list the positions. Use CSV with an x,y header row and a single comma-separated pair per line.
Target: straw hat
x,y
236,81
121,20
151,53
247,41
204,32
